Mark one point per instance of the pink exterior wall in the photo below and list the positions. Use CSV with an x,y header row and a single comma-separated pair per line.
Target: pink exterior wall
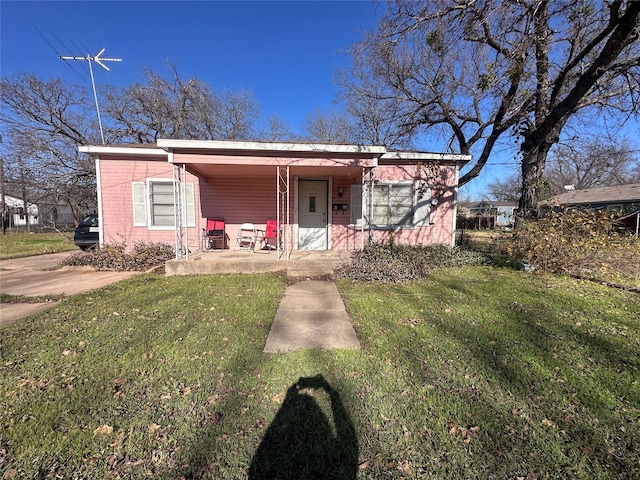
x,y
251,197
239,200
117,177
441,217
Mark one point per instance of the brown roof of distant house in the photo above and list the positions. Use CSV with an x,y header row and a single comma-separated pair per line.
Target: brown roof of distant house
x,y
619,193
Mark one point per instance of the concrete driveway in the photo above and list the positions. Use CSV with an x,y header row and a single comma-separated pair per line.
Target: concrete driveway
x,y
38,275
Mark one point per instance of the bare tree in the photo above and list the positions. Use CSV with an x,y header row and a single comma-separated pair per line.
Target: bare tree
x,y
276,130
475,71
374,107
506,189
592,164
44,121
329,127
236,113
171,107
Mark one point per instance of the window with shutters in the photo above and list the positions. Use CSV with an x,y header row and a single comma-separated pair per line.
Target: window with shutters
x,y
154,206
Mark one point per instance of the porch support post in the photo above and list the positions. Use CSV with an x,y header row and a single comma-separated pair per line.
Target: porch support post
x,y
100,216
177,207
370,203
362,179
282,208
455,206
184,214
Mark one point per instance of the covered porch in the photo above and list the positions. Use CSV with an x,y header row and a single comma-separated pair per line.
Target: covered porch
x,y
313,191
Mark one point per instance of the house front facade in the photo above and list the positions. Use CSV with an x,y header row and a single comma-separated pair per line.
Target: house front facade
x,y
324,196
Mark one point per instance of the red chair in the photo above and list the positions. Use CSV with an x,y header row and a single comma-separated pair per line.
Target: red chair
x,y
215,231
268,238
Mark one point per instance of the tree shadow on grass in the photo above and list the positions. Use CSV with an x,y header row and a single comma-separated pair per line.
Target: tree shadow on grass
x,y
301,441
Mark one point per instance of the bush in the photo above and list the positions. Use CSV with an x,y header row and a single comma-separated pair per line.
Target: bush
x,y
115,257
393,263
576,243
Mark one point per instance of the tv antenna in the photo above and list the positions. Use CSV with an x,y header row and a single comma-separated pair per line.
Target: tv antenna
x,y
98,58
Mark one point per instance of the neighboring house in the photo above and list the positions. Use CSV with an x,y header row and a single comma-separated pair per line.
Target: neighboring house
x,y
620,198
326,196
502,212
16,212
623,199
56,214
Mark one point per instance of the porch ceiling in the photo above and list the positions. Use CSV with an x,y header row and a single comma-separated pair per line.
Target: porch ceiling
x,y
207,172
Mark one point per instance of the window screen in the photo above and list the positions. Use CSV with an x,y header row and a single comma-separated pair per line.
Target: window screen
x,y
393,205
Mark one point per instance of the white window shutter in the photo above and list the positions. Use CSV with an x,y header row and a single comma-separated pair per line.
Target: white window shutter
x,y
356,204
139,204
189,211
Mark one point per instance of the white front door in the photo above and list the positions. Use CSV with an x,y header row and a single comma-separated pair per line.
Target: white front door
x,y
312,231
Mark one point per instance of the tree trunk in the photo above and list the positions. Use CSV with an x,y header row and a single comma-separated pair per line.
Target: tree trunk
x,y
532,170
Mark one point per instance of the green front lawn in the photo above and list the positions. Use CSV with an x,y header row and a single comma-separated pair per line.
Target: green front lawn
x,y
473,373
16,245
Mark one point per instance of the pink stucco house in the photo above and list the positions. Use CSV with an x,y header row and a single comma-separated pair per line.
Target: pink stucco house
x,y
325,196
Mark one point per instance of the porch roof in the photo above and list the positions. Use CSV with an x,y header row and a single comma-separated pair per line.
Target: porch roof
x,y
214,157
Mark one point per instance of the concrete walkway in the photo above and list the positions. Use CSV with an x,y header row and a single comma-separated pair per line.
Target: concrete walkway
x,y
311,314
39,275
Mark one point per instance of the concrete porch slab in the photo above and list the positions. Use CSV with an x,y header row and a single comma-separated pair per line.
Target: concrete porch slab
x,y
300,264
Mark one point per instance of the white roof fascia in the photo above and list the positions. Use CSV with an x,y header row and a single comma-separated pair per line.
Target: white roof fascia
x,y
120,150
270,146
426,156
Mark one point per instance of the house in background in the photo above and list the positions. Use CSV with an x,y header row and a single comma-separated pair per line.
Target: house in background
x,y
325,196
487,214
619,198
15,212
502,211
53,214
622,199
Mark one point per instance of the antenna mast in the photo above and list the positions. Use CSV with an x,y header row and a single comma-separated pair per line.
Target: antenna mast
x,y
98,59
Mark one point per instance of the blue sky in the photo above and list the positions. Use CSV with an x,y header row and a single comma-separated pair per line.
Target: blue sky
x,y
284,52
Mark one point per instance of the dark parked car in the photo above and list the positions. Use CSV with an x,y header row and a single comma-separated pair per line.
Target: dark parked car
x,y
86,234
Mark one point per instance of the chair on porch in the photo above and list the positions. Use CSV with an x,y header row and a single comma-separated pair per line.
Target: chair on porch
x,y
246,238
267,239
215,231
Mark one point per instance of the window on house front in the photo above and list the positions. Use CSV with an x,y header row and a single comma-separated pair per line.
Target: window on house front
x,y
161,206
392,204
153,204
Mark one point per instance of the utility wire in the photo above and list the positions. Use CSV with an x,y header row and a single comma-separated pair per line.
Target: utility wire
x,y
58,54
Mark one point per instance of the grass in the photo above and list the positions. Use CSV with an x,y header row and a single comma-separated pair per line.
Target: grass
x,y
19,244
472,373
482,240
8,298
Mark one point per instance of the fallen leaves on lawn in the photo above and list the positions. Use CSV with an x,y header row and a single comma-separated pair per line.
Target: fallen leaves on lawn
x,y
466,433
548,423
405,468
103,430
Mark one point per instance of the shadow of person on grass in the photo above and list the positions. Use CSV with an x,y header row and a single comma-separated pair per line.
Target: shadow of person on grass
x,y
301,443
